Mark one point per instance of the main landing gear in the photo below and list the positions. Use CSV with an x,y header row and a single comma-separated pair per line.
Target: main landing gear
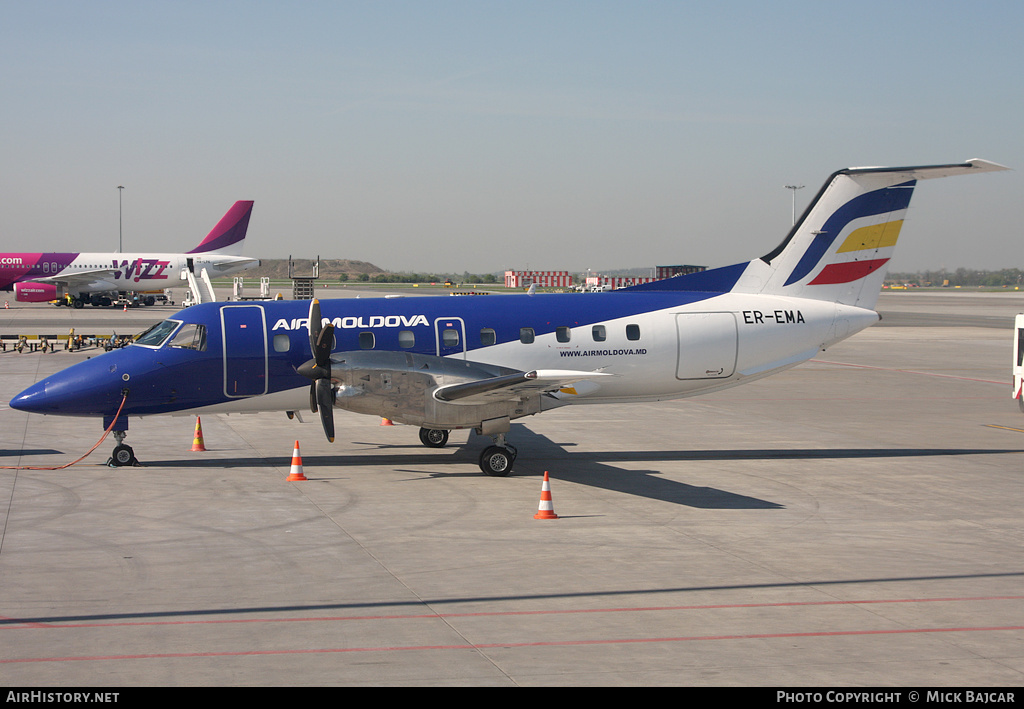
x,y
433,437
495,460
123,453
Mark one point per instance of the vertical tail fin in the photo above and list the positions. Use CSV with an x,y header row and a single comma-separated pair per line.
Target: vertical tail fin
x,y
837,250
229,234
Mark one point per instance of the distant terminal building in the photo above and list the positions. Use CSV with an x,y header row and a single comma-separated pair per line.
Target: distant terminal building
x,y
662,272
616,282
599,282
542,279
563,279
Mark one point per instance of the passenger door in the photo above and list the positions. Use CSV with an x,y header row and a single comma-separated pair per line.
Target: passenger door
x,y
245,350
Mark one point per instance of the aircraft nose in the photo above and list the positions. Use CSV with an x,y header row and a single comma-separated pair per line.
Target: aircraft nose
x,y
32,400
86,388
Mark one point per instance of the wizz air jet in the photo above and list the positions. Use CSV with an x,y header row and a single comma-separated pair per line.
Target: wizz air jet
x,y
443,363
84,278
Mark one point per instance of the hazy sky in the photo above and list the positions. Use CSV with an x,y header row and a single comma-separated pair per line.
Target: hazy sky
x,y
483,135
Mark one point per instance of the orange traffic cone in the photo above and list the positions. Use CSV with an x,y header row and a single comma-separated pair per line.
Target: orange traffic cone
x,y
386,422
296,471
197,440
546,509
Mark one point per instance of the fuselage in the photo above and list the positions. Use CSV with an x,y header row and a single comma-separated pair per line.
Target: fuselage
x,y
225,357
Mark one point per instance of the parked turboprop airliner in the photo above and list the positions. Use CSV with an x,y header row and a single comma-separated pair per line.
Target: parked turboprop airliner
x,y
88,278
445,363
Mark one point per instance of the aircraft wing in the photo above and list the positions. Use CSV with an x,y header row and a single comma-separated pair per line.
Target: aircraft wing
x,y
510,386
96,279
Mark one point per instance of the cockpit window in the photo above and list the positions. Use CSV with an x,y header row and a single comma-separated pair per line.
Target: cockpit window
x,y
158,334
190,337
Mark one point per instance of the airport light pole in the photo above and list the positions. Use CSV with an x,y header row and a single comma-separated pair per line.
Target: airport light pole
x,y
120,221
794,188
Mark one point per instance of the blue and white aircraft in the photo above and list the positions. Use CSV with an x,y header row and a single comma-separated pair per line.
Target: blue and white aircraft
x,y
445,363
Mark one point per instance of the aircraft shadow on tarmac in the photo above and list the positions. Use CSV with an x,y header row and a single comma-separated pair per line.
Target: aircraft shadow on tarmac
x,y
592,468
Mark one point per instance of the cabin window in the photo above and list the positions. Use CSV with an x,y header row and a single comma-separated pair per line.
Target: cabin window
x,y
282,343
406,339
563,333
487,337
366,340
526,335
190,337
632,332
450,337
599,333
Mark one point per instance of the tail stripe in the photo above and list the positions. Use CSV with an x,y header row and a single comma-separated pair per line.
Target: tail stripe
x,y
836,273
883,201
872,237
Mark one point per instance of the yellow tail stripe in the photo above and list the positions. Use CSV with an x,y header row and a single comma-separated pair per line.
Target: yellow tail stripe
x,y
872,237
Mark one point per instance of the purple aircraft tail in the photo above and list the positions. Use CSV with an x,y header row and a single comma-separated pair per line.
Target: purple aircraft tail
x,y
229,234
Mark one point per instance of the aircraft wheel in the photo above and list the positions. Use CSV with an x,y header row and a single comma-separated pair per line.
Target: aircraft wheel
x,y
1020,402
433,437
496,461
122,455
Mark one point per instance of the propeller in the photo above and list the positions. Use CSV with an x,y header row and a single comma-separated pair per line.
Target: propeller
x,y
318,369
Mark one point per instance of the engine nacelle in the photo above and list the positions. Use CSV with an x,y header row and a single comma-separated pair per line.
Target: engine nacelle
x,y
28,292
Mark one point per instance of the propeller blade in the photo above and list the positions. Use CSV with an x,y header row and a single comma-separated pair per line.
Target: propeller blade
x,y
321,389
322,348
325,401
315,324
